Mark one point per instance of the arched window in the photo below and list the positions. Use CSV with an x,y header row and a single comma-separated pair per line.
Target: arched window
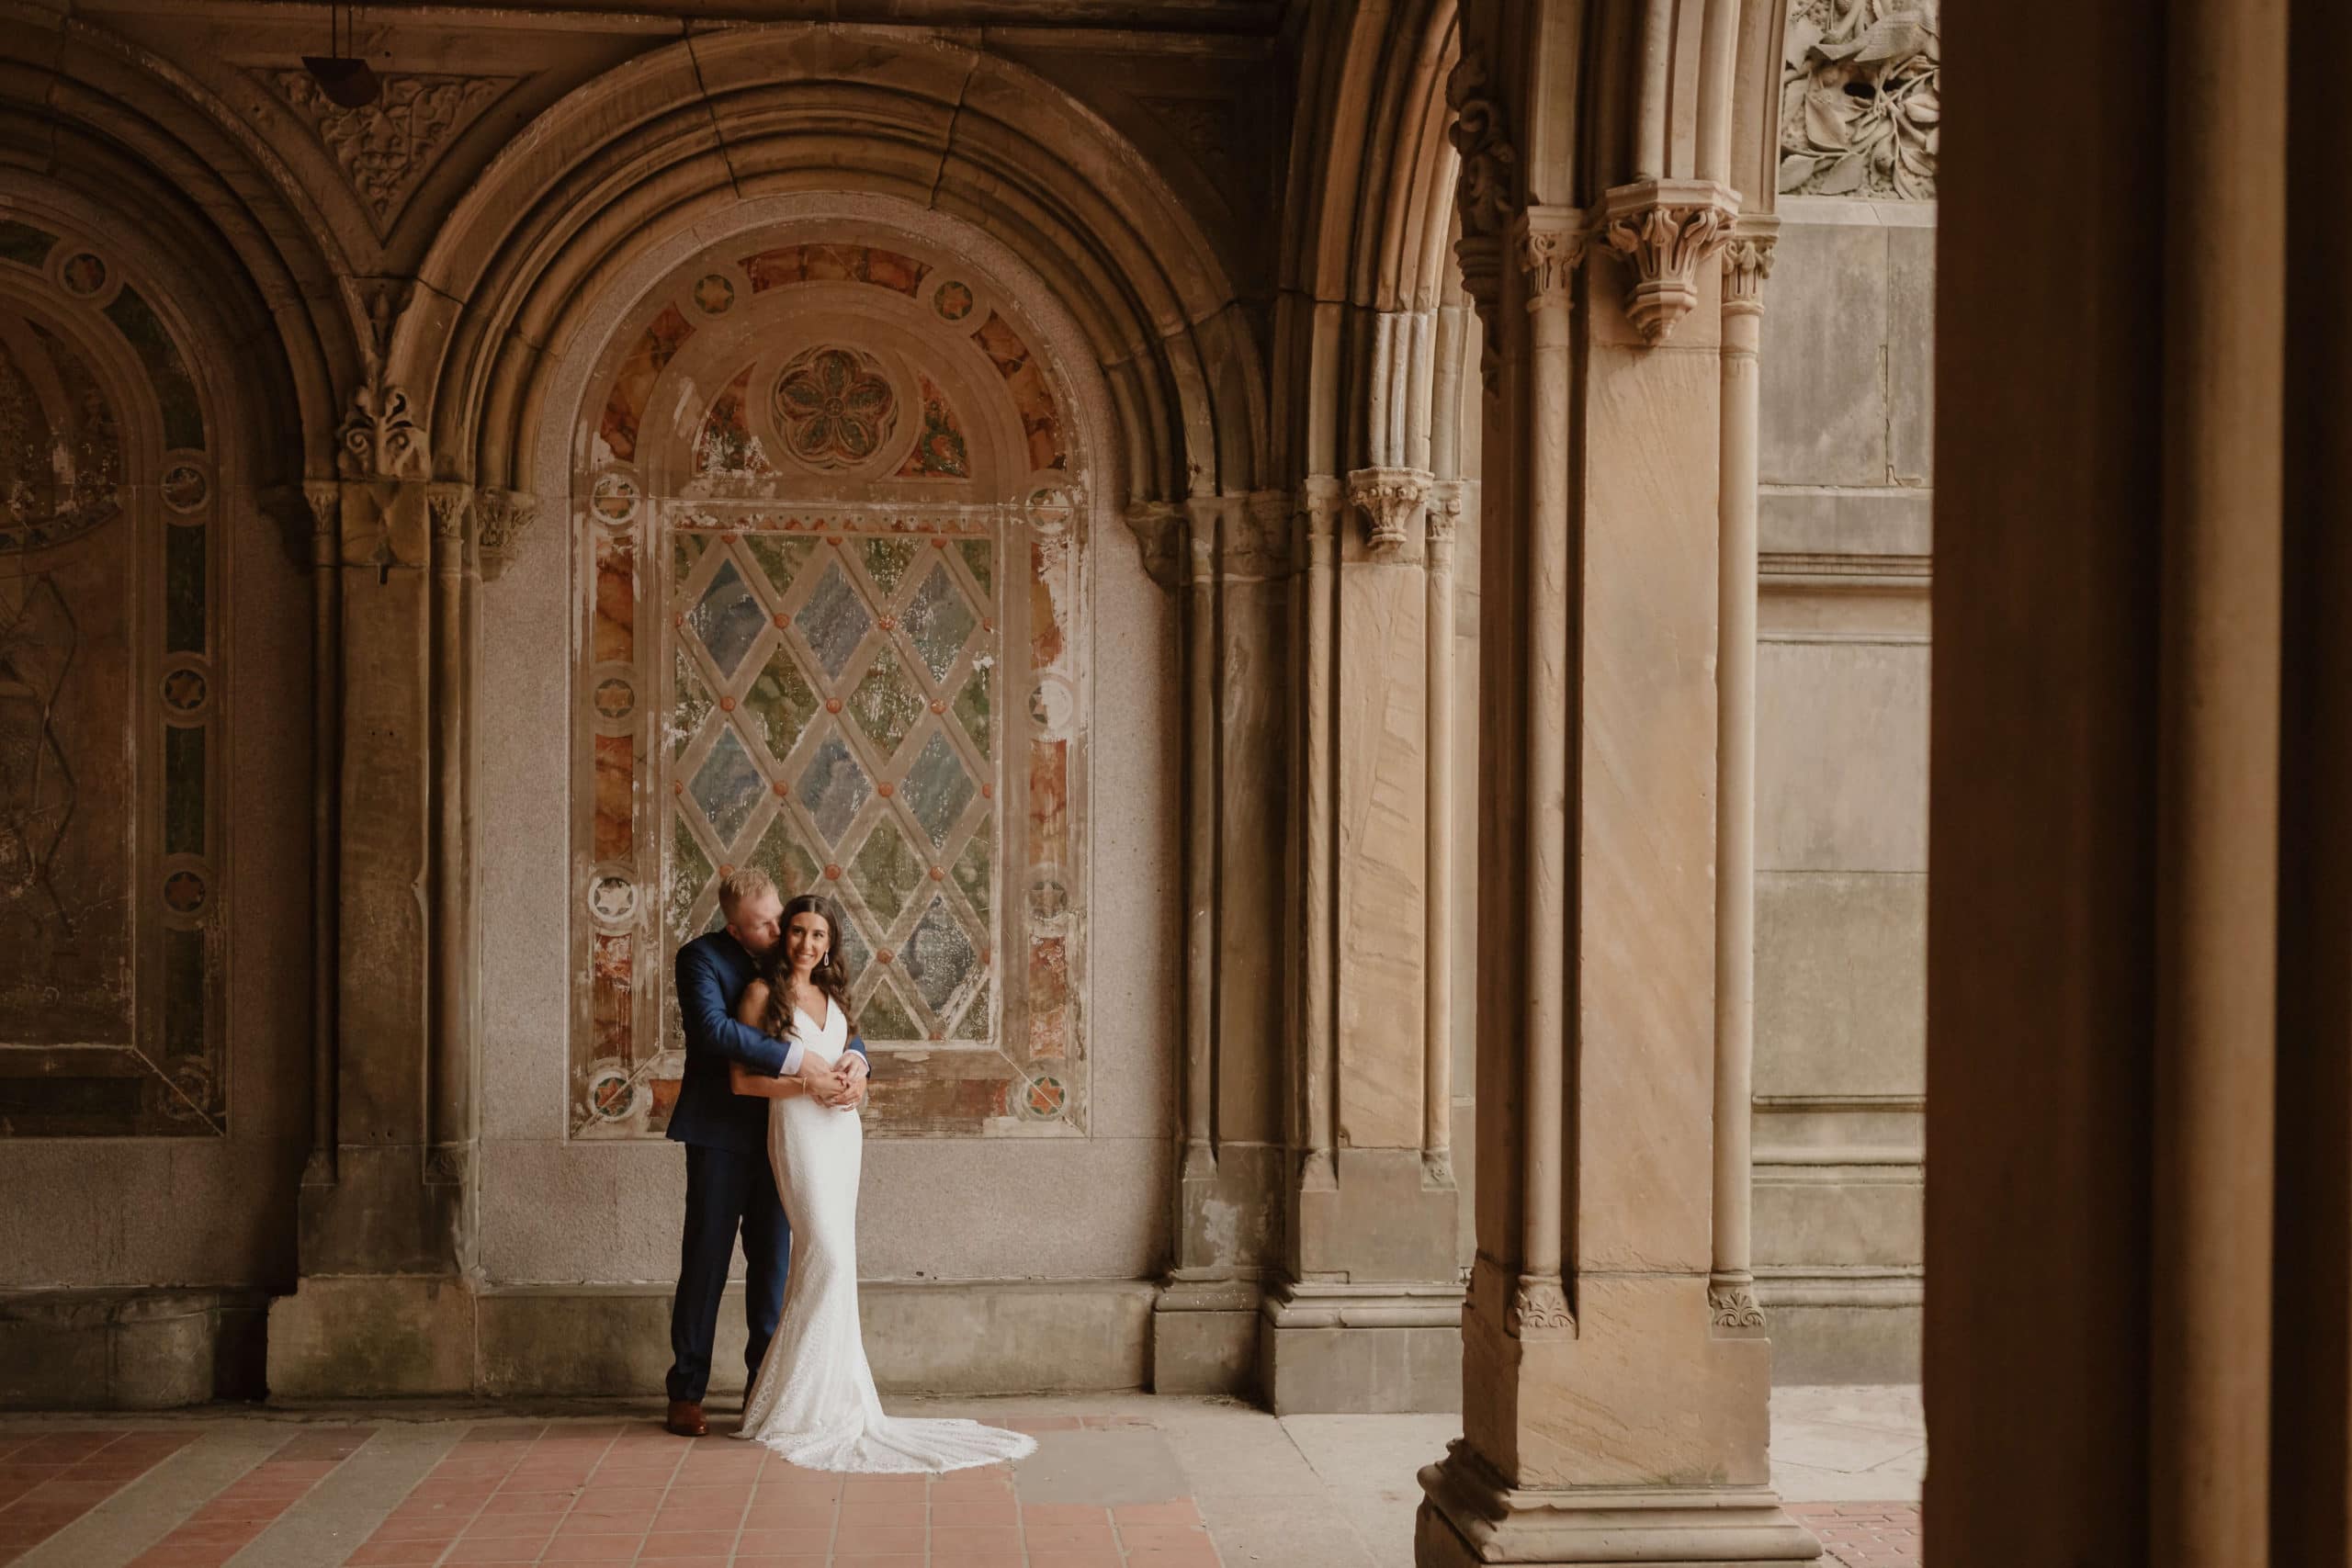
x,y
834,590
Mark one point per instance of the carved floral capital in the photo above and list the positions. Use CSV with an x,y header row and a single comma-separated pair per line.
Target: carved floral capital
x,y
381,438
1551,244
1538,1307
1390,500
1747,262
1449,498
448,503
1732,1304
501,519
1663,230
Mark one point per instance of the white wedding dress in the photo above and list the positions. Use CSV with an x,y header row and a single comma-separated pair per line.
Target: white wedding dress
x,y
814,1401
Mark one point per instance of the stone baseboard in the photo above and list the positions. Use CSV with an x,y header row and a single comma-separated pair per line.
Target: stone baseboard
x,y
1470,1518
1856,1326
130,1349
1205,1338
1361,1349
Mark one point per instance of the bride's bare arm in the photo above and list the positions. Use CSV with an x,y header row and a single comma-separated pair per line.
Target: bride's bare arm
x,y
753,1011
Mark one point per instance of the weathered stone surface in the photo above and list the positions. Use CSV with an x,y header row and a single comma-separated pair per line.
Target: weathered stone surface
x,y
1842,757
1360,1371
382,1336
127,1349
1842,984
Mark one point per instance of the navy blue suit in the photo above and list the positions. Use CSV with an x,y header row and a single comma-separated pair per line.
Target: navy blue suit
x,y
729,1183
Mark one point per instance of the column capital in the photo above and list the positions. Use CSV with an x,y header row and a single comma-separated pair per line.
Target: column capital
x,y
452,508
1156,524
1390,498
501,519
1663,230
1550,244
1747,262
1449,498
1322,495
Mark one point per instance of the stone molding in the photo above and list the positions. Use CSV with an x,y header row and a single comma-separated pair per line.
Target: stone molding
x,y
501,519
1663,230
381,438
1294,1304
1391,500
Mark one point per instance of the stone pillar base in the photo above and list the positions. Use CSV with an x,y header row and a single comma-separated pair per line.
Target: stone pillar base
x,y
373,1336
1471,1516
130,1350
1205,1338
1361,1349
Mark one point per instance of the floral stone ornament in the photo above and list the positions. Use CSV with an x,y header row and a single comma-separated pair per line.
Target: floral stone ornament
x,y
1859,106
835,406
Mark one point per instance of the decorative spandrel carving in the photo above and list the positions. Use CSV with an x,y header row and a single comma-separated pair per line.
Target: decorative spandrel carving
x,y
385,148
1859,106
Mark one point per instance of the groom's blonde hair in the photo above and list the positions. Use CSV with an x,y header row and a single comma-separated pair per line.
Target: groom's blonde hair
x,y
750,881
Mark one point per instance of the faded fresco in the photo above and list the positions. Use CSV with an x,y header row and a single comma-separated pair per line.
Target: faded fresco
x,y
108,842
832,591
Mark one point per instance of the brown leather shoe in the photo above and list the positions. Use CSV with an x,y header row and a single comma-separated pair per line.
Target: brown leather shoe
x,y
686,1418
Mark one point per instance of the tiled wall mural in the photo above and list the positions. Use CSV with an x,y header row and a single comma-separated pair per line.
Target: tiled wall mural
x,y
831,541
110,709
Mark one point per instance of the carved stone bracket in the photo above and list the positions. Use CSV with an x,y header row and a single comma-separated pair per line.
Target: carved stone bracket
x,y
1731,1301
1486,195
1663,230
1159,529
380,437
501,519
1449,498
1390,500
1538,1307
1747,262
325,500
448,503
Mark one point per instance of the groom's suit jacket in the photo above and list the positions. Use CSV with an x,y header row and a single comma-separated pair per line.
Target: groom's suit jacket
x,y
713,972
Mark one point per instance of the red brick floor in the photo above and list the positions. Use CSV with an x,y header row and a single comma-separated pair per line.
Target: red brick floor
x,y
251,1504
49,1479
515,1492
1866,1535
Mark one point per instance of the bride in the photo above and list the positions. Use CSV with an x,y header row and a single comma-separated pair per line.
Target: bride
x,y
813,1401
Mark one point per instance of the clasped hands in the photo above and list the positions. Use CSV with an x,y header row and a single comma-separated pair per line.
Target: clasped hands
x,y
840,1084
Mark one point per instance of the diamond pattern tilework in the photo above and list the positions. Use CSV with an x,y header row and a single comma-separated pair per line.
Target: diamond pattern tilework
x,y
887,561
779,854
834,621
938,957
939,622
728,618
887,870
781,557
690,707
978,554
690,869
884,1017
833,787
886,704
974,709
972,868
938,788
781,702
727,786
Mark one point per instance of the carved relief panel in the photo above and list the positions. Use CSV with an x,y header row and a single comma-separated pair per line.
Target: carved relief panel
x,y
111,708
832,554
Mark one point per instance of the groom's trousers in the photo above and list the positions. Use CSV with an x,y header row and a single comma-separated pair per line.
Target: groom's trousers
x,y
727,1192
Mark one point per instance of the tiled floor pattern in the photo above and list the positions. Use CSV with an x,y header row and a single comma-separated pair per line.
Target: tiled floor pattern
x,y
48,1480
1866,1535
629,1493
1119,1480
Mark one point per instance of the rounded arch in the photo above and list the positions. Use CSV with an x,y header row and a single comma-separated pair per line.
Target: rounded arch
x,y
129,146
673,141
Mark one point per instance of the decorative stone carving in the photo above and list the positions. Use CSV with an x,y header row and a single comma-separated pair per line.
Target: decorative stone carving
x,y
385,148
501,519
1747,262
447,502
1538,1306
1732,1302
1485,190
1159,528
445,1165
325,500
1487,197
1448,500
1390,500
1550,248
1860,103
381,438
1663,230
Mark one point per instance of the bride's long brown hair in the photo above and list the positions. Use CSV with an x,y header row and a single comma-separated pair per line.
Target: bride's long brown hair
x,y
831,976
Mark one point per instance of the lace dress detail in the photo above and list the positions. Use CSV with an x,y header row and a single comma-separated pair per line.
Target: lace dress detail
x,y
814,1401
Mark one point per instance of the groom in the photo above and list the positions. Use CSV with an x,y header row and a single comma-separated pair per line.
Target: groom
x,y
729,1183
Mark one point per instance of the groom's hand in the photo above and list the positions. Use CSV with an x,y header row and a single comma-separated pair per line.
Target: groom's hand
x,y
819,1081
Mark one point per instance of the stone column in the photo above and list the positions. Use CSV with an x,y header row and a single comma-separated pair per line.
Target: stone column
x,y
1731,1289
383,1305
1605,1418
1437,1021
1365,1317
